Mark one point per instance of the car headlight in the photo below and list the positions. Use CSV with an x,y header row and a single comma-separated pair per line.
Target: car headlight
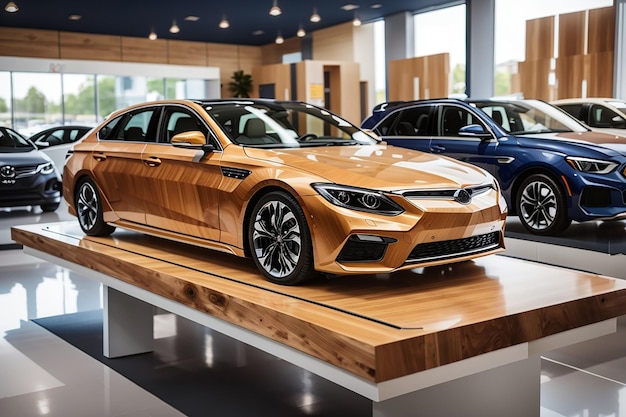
x,y
596,166
46,168
358,199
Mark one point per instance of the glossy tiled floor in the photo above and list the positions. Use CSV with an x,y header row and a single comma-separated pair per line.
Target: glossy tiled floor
x,y
40,374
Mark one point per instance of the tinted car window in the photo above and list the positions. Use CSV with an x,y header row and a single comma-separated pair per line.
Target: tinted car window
x,y
132,127
10,141
178,121
575,110
453,118
601,116
412,122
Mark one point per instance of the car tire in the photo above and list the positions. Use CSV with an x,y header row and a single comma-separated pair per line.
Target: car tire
x,y
48,208
280,242
541,206
89,210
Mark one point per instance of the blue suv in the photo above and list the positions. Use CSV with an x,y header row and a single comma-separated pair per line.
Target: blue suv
x,y
551,168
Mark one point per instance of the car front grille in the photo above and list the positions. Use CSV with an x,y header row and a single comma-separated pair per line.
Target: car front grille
x,y
454,248
25,171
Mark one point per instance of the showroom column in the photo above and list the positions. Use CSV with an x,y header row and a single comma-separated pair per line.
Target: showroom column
x,y
480,73
619,80
399,38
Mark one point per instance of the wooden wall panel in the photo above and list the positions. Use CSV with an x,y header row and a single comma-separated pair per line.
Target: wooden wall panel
x,y
277,74
433,72
186,53
326,46
572,34
601,30
144,50
273,53
571,71
540,38
91,47
600,78
29,43
534,79
249,57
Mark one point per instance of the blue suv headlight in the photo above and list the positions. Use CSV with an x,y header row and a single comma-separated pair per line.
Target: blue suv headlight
x,y
596,166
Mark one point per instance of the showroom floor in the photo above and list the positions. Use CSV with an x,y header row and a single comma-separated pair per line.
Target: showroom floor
x,y
194,371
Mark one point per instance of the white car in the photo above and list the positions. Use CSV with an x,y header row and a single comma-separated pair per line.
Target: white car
x,y
56,142
603,114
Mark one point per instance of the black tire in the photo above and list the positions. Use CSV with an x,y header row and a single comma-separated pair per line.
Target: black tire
x,y
89,210
48,208
280,242
541,206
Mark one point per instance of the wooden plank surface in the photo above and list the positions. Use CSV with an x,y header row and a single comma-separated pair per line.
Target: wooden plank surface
x,y
376,327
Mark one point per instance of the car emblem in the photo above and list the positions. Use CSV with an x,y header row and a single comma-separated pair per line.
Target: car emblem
x,y
7,171
463,196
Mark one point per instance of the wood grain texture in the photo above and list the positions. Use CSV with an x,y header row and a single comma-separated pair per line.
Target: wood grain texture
x,y
90,46
432,72
144,50
572,34
540,38
571,70
29,43
601,74
601,32
186,53
376,327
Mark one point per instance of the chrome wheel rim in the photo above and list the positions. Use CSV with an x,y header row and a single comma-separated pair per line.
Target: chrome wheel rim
x,y
276,239
538,205
87,206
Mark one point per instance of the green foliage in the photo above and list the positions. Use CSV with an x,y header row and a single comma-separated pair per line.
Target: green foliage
x,y
241,86
502,82
3,106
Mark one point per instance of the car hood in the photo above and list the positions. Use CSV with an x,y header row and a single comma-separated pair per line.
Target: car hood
x,y
381,167
32,157
591,140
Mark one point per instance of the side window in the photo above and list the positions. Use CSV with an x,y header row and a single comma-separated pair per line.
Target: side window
x,y
499,115
413,122
575,110
384,128
179,121
131,127
453,119
601,116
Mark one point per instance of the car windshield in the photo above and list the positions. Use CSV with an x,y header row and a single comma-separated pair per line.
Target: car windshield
x,y
530,116
618,104
12,142
284,125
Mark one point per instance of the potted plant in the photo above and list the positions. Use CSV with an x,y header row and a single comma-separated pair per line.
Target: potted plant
x,y
241,86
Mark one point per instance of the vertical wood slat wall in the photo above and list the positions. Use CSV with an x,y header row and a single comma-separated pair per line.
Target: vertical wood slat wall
x,y
579,69
433,72
35,43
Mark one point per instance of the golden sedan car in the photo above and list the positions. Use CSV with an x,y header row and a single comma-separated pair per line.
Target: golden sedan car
x,y
293,186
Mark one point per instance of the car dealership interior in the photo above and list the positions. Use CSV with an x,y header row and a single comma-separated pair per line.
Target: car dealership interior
x,y
279,208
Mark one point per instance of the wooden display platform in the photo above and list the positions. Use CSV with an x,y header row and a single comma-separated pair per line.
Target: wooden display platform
x,y
381,336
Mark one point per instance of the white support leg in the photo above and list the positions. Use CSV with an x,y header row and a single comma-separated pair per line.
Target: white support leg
x,y
127,324
511,390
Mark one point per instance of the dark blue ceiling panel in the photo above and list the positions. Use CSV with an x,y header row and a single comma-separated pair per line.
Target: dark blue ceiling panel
x,y
250,22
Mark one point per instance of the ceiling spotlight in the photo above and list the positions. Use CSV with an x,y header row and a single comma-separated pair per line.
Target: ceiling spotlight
x,y
275,10
152,36
74,17
224,24
356,21
279,39
11,7
174,28
315,17
301,33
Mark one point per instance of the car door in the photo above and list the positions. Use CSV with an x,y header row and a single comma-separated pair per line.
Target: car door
x,y
183,182
118,168
450,139
408,128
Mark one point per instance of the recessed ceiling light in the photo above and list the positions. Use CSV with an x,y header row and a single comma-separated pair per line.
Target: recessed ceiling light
x,y
258,32
348,7
192,18
376,6
74,17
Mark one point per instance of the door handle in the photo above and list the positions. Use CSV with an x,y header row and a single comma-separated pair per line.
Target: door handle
x,y
100,157
437,148
153,161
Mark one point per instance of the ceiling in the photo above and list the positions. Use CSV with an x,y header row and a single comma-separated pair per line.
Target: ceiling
x,y
250,22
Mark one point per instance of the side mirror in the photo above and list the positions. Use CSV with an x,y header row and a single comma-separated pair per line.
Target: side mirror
x,y
41,145
618,122
194,139
474,131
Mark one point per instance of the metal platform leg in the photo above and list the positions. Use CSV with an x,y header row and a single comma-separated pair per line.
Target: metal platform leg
x,y
127,324
512,390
